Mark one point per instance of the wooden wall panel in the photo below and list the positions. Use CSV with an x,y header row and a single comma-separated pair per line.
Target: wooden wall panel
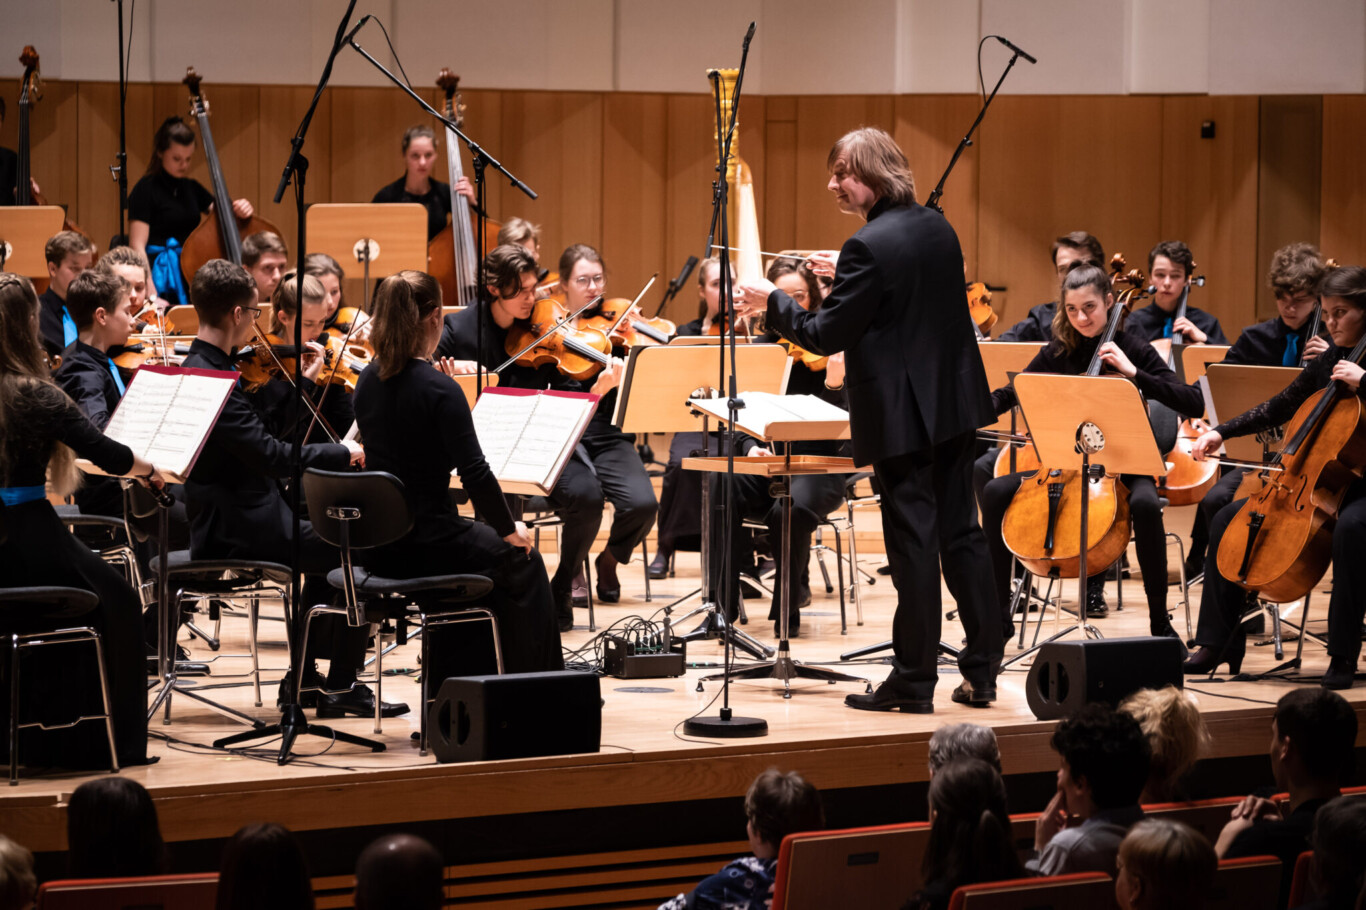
x,y
635,157
778,219
928,129
691,169
1343,195
1209,200
1051,165
97,146
1289,181
281,109
820,121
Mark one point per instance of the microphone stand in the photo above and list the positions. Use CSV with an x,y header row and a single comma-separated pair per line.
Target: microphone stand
x,y
480,160
726,724
120,170
676,284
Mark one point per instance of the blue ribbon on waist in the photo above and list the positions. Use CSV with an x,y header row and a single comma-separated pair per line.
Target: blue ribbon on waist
x,y
17,496
170,284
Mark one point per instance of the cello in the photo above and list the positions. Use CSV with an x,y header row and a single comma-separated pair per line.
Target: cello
x,y
1187,480
451,255
1042,524
219,235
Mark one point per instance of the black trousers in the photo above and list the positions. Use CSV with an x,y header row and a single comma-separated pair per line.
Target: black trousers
x,y
680,497
1222,601
1150,538
928,519
813,498
332,637
1220,495
617,476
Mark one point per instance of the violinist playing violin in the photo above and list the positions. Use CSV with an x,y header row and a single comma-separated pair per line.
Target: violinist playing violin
x,y
1077,330
1343,295
235,504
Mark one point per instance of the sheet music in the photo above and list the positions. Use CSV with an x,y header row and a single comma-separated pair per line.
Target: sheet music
x,y
528,438
783,417
166,415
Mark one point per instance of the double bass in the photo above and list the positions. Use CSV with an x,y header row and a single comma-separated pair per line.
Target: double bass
x,y
30,91
451,255
220,233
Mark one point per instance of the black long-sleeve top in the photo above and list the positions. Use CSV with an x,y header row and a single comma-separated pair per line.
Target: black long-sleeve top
x,y
50,309
275,403
85,375
1282,406
1154,378
417,426
40,417
437,201
1037,326
1263,344
1152,322
171,206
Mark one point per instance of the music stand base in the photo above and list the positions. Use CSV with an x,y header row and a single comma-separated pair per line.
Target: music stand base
x,y
944,648
1085,628
715,626
292,725
723,726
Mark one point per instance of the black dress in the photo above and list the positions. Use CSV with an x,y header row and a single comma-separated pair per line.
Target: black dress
x,y
437,201
170,206
417,426
36,549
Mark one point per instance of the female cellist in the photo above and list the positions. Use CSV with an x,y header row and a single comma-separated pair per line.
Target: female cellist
x,y
165,207
417,426
40,427
417,183
1080,321
1343,295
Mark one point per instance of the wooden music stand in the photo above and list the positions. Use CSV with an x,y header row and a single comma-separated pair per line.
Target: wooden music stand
x,y
24,231
1196,358
1234,388
466,383
384,237
1002,360
707,340
1071,419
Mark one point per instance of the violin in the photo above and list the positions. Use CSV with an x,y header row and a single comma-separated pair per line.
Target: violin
x,y
813,362
343,359
979,307
1042,524
149,321
271,357
132,356
549,285
579,353
616,319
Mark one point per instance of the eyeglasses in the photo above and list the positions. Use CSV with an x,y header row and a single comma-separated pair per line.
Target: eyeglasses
x,y
585,281
255,309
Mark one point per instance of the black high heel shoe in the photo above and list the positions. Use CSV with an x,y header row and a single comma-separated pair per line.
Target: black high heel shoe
x,y
1206,660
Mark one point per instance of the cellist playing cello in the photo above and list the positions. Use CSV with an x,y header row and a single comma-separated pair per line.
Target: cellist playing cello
x,y
1343,292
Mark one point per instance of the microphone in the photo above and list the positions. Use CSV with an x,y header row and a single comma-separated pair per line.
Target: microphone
x,y
1004,41
749,35
683,275
367,18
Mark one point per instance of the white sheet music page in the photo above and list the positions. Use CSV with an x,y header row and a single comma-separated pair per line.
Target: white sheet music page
x,y
782,418
528,436
167,413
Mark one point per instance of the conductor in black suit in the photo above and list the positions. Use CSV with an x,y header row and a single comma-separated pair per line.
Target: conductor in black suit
x,y
917,393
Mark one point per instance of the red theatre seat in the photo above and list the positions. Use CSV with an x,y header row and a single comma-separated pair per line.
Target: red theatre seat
x,y
1092,890
162,892
853,867
1247,883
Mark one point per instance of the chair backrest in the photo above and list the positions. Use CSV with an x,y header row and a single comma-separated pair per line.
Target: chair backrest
x,y
383,515
1247,883
1093,890
854,867
162,892
1301,888
1208,816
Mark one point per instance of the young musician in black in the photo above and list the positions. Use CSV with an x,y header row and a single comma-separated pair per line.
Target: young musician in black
x,y
510,274
417,183
1067,249
1077,330
917,394
265,257
1343,293
236,507
417,426
36,549
68,254
1170,269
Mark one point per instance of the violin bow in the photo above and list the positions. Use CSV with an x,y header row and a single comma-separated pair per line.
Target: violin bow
x,y
551,331
308,402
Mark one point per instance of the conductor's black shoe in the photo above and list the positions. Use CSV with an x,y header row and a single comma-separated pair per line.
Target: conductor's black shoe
x,y
659,566
1341,673
883,699
359,701
977,696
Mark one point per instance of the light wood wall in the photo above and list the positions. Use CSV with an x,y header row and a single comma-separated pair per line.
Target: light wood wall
x,y
631,172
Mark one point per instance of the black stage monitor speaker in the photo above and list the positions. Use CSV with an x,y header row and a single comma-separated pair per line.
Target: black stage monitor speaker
x,y
1069,674
517,715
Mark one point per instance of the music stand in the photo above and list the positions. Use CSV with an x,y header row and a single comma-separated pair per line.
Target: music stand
x,y
655,377
468,386
1071,419
1235,388
384,237
1197,358
24,231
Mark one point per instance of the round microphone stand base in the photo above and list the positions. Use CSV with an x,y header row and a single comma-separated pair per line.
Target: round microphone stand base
x,y
725,725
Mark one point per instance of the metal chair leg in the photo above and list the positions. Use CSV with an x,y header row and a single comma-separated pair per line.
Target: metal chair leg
x,y
645,561
14,710
839,571
104,698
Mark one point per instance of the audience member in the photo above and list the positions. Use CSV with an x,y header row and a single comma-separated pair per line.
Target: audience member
x,y
1313,733
399,872
1170,718
1104,766
1164,865
1338,871
970,838
954,741
264,869
112,831
18,885
776,805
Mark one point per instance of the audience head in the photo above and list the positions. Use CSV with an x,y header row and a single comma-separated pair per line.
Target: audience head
x,y
865,165
264,869
172,148
1313,733
68,254
95,296
112,832
970,837
18,884
1075,246
1339,841
407,317
224,297
399,872
1164,864
954,741
265,256
130,265
327,270
523,233
777,805
797,281
1105,759
1170,718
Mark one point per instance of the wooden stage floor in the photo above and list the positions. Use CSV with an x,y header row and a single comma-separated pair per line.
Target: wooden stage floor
x,y
644,759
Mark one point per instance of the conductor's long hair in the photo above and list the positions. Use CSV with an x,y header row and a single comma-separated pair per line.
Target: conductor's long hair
x,y
23,368
401,303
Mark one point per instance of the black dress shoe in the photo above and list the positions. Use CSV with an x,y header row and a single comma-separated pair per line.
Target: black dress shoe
x,y
359,701
308,698
885,570
607,585
1207,660
183,665
659,566
977,696
883,699
1341,673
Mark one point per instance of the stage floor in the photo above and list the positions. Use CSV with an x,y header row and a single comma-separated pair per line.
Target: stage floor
x,y
645,758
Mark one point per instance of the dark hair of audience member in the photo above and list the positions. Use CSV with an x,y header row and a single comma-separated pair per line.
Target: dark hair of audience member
x,y
779,804
264,869
399,872
112,831
1105,747
1323,728
1338,870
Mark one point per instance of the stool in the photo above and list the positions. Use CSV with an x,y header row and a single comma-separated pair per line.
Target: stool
x,y
23,613
118,552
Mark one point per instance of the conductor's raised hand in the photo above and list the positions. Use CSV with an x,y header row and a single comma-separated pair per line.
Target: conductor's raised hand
x,y
823,262
751,296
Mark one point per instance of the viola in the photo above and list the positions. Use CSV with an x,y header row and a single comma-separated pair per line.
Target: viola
x,y
579,353
979,307
813,362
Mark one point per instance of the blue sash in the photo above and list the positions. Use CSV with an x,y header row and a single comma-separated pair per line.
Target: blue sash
x,y
17,496
170,284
